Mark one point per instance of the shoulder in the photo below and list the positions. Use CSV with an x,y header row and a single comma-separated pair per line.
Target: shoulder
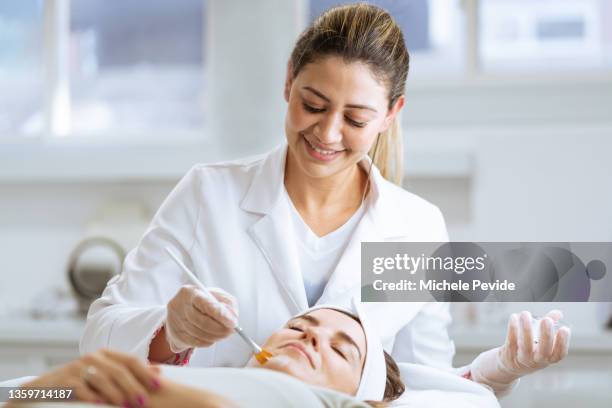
x,y
226,175
408,202
229,168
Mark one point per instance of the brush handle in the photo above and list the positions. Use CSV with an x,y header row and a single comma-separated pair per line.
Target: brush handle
x,y
254,347
195,281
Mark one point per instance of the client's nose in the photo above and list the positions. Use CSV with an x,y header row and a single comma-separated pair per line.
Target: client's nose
x,y
313,337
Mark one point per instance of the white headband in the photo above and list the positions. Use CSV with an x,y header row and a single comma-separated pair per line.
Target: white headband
x,y
374,374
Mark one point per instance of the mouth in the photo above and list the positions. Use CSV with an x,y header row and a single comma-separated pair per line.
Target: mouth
x,y
302,350
319,152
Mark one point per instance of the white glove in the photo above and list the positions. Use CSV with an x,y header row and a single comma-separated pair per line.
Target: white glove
x,y
521,354
194,319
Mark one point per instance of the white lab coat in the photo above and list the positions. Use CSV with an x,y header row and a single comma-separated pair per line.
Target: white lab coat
x,y
229,224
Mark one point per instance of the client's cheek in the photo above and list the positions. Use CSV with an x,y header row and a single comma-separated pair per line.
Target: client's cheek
x,y
343,378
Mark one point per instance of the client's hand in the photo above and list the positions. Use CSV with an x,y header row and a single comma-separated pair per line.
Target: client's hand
x,y
104,376
521,354
197,320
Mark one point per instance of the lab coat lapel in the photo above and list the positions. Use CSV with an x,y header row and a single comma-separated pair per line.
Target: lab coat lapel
x,y
272,233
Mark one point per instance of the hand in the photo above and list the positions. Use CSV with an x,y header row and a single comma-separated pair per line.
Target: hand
x,y
196,320
105,376
520,354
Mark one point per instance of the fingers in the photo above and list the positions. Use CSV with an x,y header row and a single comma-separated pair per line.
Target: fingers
x,y
83,393
101,383
147,376
197,319
215,309
205,327
512,338
227,299
561,347
526,343
545,342
115,381
555,315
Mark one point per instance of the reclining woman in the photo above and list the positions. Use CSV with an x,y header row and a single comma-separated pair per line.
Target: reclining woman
x,y
334,360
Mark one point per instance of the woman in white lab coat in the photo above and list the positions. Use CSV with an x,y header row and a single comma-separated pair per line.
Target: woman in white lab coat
x,y
282,231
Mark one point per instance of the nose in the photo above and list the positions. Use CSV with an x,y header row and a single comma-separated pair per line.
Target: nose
x,y
313,337
328,129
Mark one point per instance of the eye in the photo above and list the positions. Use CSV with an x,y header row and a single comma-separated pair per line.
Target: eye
x,y
337,350
296,328
355,123
311,109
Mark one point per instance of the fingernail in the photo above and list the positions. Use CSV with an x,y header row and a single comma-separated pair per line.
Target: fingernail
x,y
156,384
141,400
99,401
127,405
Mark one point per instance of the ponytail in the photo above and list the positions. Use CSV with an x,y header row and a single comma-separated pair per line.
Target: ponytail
x,y
387,154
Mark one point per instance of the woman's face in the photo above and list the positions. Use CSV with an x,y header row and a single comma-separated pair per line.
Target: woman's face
x,y
336,110
325,348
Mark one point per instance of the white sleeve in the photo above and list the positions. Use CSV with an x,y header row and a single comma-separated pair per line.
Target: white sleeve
x,y
424,340
133,305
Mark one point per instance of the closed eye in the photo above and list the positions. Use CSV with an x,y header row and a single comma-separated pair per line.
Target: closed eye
x,y
312,109
352,122
337,350
355,123
296,328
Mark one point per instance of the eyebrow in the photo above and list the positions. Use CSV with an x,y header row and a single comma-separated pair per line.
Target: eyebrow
x,y
325,98
315,322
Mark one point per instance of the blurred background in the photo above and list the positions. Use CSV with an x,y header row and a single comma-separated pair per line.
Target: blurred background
x,y
104,106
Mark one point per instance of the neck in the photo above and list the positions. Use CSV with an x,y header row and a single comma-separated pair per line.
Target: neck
x,y
342,191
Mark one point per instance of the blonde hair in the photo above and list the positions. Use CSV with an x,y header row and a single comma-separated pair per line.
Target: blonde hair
x,y
368,34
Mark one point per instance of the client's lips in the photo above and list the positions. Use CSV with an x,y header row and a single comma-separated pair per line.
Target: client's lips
x,y
302,349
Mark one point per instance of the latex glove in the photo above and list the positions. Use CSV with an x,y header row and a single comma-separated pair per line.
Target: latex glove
x,y
500,367
196,320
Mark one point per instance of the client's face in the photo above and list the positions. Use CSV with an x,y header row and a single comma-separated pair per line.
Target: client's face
x,y
325,348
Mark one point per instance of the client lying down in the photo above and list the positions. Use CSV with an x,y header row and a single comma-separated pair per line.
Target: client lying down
x,y
322,358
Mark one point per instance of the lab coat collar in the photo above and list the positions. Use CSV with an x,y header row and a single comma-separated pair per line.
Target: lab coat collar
x,y
266,188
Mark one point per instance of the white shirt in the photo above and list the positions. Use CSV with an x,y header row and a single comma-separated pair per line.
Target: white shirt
x,y
319,256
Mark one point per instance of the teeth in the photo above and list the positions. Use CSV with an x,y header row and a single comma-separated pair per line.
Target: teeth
x,y
324,152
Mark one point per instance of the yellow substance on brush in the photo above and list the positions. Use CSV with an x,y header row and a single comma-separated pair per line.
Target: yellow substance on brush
x,y
263,356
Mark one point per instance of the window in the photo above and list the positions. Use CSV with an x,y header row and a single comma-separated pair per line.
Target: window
x,y
21,75
136,67
115,69
433,30
545,34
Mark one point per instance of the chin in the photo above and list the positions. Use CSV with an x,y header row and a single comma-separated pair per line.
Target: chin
x,y
290,368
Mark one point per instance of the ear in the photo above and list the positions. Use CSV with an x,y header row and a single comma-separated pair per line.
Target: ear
x,y
397,106
288,80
